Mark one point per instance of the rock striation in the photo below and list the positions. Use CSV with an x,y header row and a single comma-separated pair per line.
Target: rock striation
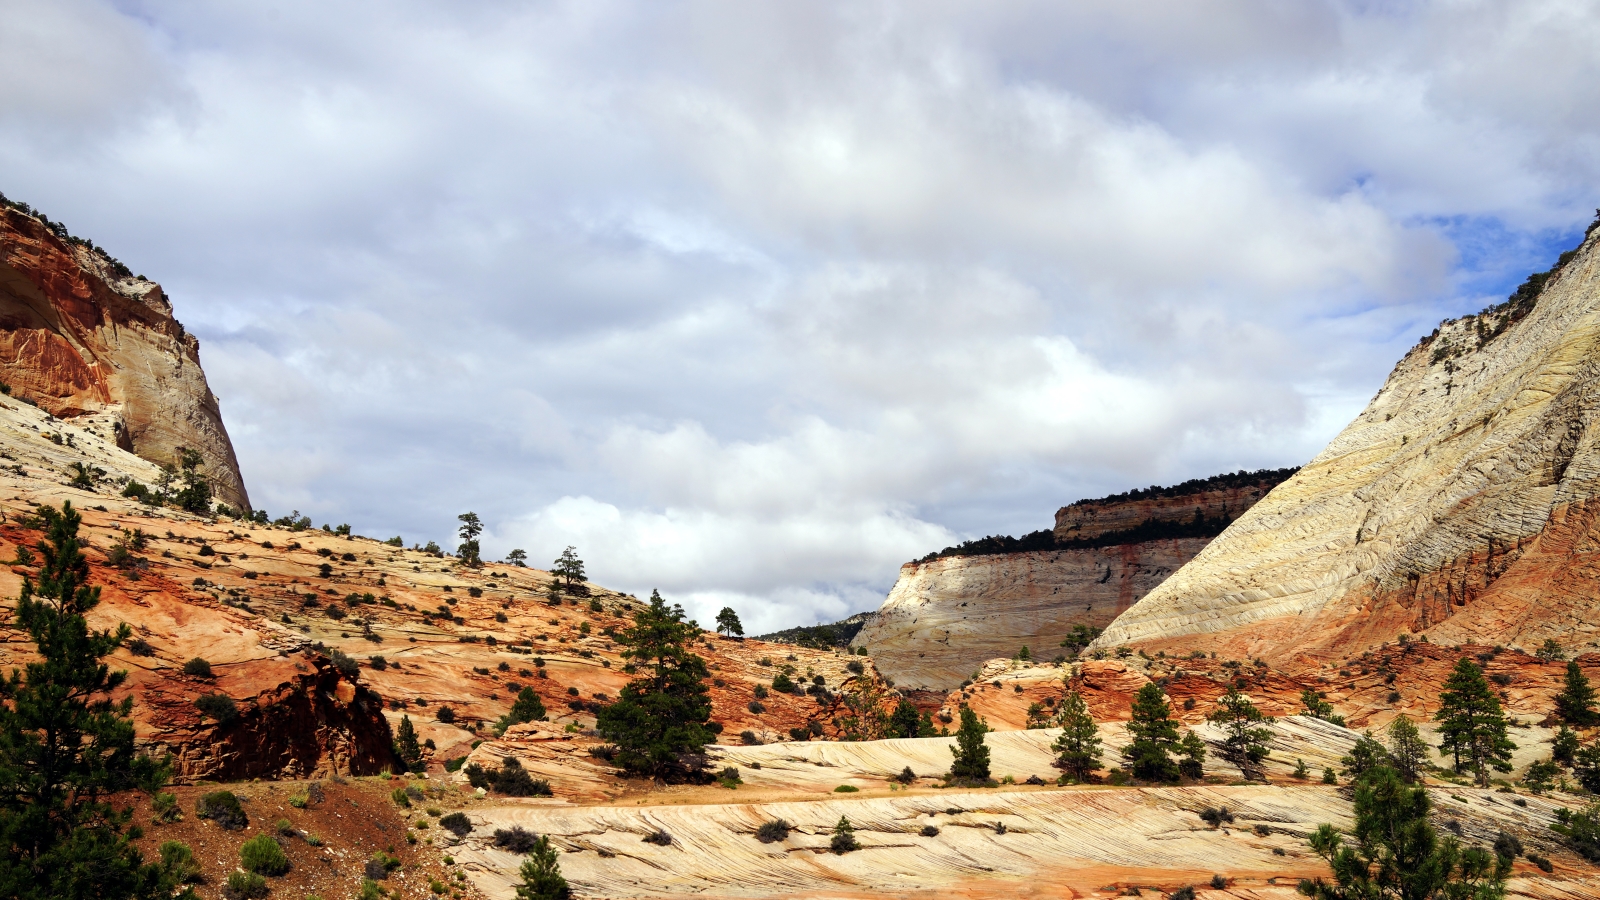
x,y
1461,504
85,339
949,613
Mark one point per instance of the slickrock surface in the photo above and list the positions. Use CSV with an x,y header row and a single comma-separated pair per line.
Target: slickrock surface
x,y
947,616
100,347
1459,504
1054,843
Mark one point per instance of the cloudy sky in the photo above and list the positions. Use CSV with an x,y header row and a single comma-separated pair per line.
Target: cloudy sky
x,y
753,302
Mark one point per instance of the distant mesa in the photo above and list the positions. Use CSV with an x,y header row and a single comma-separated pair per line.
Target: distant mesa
x,y
953,610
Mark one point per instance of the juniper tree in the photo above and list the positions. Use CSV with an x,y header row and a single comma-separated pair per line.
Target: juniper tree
x,y
658,721
728,622
1575,703
1471,724
1246,742
1395,853
65,746
971,753
1078,748
1153,737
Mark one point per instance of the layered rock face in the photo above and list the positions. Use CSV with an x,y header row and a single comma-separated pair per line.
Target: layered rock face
x,y
1460,505
85,340
946,616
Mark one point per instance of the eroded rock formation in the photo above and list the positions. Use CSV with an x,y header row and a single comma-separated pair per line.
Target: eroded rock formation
x,y
1460,504
948,614
85,339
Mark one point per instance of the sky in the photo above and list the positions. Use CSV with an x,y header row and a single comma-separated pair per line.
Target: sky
x,y
753,302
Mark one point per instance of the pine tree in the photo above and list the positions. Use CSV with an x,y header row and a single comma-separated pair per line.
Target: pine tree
x,y
1153,737
1396,853
1564,745
1575,703
659,720
1365,756
541,874
1471,724
195,495
728,622
406,746
971,753
1078,748
1191,756
471,527
526,708
844,837
568,567
65,746
1318,708
518,557
1408,752
1247,742
906,722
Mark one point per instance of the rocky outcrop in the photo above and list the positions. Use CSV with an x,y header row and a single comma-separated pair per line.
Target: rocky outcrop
x,y
314,724
1460,504
86,340
948,614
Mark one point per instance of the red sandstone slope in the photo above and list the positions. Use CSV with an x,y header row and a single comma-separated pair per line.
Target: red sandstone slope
x,y
88,342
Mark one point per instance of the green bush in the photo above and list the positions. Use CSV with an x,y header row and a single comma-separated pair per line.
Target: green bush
x,y
197,667
244,886
398,795
773,831
457,824
219,707
262,854
846,789
223,808
178,860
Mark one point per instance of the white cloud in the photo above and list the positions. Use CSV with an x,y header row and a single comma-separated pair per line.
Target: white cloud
x,y
754,302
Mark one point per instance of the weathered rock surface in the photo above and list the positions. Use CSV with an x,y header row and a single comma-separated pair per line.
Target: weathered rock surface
x,y
946,616
1459,504
87,342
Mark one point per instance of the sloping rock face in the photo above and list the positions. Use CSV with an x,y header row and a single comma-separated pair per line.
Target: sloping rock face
x,y
84,339
946,616
1460,504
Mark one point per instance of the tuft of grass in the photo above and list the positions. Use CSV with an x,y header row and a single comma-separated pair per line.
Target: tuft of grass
x,y
846,789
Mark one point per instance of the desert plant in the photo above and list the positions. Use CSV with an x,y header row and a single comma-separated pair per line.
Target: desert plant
x,y
223,808
516,839
197,667
514,781
659,838
773,831
219,707
1216,816
929,831
456,823
445,715
244,886
528,707
262,854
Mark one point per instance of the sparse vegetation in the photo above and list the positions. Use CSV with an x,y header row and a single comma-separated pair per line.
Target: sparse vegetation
x,y
197,668
223,808
773,831
263,855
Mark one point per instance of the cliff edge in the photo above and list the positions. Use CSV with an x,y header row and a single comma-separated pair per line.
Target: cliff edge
x,y
86,340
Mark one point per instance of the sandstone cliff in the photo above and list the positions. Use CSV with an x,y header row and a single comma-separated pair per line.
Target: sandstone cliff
x,y
949,613
1460,504
85,339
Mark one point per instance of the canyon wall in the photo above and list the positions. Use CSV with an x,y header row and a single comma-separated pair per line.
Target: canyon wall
x,y
1459,505
948,614
86,340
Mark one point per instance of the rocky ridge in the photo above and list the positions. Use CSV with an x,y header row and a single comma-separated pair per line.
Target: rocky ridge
x,y
1460,504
